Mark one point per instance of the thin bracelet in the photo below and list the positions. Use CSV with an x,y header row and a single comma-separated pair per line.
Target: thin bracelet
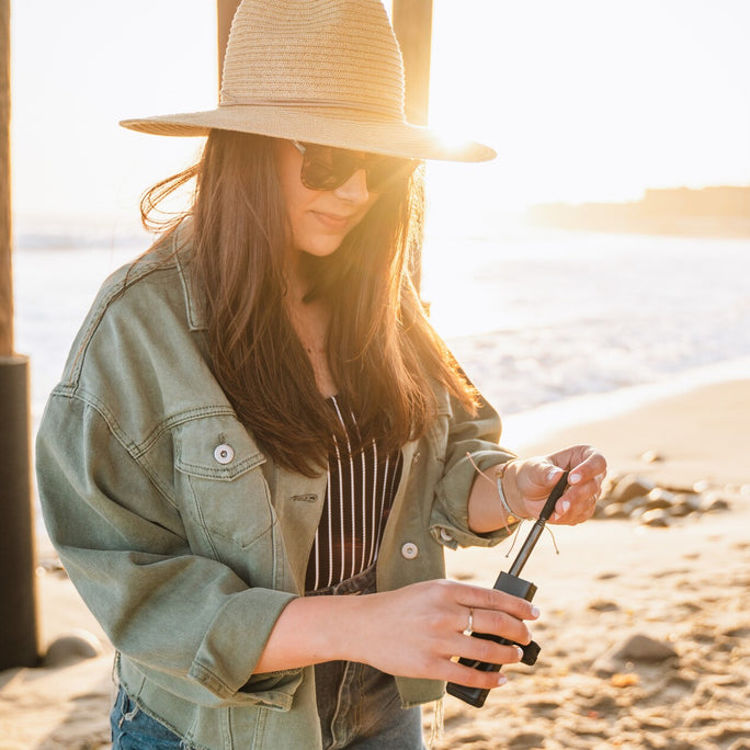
x,y
500,470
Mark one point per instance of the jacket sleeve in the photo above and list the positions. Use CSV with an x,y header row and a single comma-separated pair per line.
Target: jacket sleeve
x,y
190,618
478,437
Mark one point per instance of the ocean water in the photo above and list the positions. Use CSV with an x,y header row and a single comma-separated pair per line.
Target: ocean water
x,y
534,316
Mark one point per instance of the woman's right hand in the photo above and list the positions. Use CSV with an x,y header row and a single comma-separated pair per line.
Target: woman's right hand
x,y
414,631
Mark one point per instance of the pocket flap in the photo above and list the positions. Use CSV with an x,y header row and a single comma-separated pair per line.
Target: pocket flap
x,y
215,448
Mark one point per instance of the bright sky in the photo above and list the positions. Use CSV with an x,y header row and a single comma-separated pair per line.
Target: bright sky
x,y
583,99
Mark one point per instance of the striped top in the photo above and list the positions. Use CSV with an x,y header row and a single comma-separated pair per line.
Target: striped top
x,y
360,493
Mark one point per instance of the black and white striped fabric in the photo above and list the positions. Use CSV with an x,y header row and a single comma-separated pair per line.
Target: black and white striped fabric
x,y
361,489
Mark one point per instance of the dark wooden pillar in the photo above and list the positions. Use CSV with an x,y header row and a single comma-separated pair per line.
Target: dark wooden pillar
x,y
19,639
412,22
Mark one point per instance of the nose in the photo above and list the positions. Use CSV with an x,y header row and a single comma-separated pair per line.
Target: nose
x,y
354,190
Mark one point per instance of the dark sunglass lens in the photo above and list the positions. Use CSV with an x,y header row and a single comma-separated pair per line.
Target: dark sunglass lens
x,y
319,175
383,171
326,168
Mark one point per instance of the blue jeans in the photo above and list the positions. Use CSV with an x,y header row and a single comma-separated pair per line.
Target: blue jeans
x,y
358,705
132,729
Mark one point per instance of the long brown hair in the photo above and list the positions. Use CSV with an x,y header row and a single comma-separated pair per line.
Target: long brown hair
x,y
384,356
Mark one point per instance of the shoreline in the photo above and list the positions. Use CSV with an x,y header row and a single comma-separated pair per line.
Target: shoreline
x,y
522,430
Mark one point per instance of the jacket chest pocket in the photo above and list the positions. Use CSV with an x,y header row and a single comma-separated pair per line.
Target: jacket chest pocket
x,y
220,480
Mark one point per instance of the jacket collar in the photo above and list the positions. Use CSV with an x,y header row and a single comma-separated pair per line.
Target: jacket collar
x,y
180,249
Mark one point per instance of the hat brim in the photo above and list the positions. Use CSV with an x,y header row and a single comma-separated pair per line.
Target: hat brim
x,y
382,137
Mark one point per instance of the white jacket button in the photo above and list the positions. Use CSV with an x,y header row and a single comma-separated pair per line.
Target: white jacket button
x,y
445,535
224,453
409,550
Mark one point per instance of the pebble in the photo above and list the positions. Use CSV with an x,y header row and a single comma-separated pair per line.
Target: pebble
x,y
651,457
658,518
640,499
659,498
714,501
631,486
635,503
642,648
72,647
603,605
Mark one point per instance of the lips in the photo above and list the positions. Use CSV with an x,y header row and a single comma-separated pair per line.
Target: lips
x,y
332,221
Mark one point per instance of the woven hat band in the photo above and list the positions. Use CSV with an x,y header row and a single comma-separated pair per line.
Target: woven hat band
x,y
336,110
326,53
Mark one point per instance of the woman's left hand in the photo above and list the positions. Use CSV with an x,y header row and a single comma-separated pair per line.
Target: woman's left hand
x,y
528,482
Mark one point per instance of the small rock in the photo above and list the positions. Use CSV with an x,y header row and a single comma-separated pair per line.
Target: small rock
x,y
635,503
658,518
631,486
614,511
680,510
714,501
651,457
603,704
641,648
603,605
659,498
693,500
606,576
701,486
71,647
741,631
526,740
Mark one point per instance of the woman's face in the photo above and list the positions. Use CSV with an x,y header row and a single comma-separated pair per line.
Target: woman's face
x,y
320,219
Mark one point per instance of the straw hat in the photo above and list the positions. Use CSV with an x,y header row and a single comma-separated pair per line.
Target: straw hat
x,y
320,71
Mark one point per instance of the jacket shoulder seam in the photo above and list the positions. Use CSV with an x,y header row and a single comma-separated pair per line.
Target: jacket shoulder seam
x,y
73,371
128,445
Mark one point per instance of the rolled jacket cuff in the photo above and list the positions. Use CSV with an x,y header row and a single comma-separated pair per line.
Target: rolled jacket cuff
x,y
450,516
233,645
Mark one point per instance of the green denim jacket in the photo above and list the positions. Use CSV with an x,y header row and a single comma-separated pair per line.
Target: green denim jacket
x,y
187,552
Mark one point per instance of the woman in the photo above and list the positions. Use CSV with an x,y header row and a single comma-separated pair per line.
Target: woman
x,y
257,419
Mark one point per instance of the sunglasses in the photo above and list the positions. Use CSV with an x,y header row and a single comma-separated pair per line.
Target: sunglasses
x,y
326,167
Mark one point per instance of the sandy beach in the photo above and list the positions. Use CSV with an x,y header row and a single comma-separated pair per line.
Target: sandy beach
x,y
645,629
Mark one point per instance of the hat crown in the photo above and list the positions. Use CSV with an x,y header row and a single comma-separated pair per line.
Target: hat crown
x,y
338,54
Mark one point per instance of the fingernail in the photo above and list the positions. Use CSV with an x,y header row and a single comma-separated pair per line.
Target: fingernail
x,y
502,679
555,516
574,478
520,652
535,612
553,473
565,506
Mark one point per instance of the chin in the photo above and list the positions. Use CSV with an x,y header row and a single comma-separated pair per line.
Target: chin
x,y
321,249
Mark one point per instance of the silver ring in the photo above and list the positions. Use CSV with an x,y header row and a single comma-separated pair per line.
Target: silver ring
x,y
470,625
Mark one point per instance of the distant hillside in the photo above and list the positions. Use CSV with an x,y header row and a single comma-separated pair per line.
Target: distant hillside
x,y
712,211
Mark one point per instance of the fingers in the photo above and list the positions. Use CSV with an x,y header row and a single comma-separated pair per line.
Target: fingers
x,y
587,469
496,602
593,465
470,677
502,624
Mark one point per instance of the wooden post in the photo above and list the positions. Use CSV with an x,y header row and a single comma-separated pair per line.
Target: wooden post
x,y
6,276
224,14
412,22
19,638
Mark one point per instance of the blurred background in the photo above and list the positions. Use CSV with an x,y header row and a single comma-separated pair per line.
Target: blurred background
x,y
607,246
